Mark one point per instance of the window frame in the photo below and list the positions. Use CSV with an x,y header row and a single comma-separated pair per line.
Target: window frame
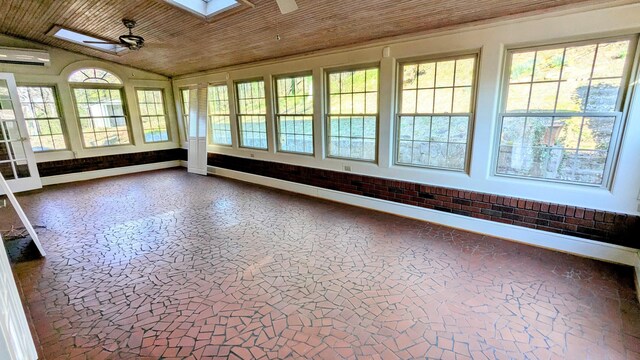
x,y
125,111
209,124
165,115
327,107
63,122
621,111
184,113
475,54
276,115
238,114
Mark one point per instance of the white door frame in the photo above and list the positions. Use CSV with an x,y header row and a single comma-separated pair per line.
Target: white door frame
x,y
33,181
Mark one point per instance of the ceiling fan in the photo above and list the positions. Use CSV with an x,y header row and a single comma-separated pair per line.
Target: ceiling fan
x,y
129,41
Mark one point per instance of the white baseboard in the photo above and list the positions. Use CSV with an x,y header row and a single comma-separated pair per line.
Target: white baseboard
x,y
564,243
96,174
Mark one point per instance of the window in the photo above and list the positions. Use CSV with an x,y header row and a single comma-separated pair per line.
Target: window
x,y
93,76
219,118
152,113
184,93
79,38
252,118
98,97
436,103
42,115
206,8
352,118
561,110
294,114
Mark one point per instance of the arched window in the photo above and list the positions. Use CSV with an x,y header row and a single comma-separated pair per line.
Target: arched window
x,y
93,75
100,105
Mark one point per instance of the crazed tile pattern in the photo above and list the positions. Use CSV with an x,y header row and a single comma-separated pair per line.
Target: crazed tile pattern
x,y
173,265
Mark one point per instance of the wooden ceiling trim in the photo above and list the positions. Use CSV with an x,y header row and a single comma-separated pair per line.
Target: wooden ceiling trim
x,y
180,43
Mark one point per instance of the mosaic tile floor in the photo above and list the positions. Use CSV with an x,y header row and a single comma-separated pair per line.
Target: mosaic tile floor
x,y
171,265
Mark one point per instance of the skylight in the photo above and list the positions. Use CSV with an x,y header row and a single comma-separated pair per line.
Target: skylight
x,y
78,38
206,8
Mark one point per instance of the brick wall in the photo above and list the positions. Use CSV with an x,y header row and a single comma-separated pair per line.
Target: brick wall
x,y
70,166
586,223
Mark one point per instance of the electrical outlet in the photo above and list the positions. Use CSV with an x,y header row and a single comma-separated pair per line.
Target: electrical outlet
x,y
347,167
252,155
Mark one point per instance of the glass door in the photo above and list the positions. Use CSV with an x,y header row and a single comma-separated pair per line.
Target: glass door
x,y
17,162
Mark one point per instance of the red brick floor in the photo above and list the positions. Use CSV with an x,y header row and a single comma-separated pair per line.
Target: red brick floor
x,y
172,265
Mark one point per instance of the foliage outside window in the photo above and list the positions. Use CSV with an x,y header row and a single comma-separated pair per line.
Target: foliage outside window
x,y
152,113
184,102
562,108
436,100
352,119
219,118
294,114
41,113
252,114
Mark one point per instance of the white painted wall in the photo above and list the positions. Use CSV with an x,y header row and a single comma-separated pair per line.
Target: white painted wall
x,y
492,40
63,63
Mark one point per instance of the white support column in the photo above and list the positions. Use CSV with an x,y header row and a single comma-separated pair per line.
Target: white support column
x,y
270,117
319,135
233,118
387,105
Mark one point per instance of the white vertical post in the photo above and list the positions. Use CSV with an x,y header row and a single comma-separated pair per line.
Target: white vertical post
x,y
387,104
198,130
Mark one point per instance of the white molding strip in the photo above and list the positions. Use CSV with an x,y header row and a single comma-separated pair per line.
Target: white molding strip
x,y
96,174
563,243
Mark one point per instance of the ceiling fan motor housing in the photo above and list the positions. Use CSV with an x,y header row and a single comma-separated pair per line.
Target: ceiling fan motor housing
x,y
134,42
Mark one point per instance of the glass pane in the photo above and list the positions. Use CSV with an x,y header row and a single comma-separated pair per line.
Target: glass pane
x,y
548,64
518,98
445,73
522,66
440,129
611,59
543,97
465,72
603,95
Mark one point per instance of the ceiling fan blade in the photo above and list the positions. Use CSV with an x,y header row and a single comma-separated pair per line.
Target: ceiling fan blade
x,y
102,42
287,6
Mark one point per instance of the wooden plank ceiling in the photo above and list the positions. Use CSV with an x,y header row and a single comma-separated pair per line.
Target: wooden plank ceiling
x,y
181,43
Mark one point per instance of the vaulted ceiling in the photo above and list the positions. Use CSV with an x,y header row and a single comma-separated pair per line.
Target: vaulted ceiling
x,y
180,43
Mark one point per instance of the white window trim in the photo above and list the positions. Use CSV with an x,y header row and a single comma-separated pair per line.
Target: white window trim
x,y
621,112
238,114
471,114
327,112
276,115
209,124
125,110
65,132
165,115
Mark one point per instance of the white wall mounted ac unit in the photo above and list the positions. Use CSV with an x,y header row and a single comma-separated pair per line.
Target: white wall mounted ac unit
x,y
20,56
